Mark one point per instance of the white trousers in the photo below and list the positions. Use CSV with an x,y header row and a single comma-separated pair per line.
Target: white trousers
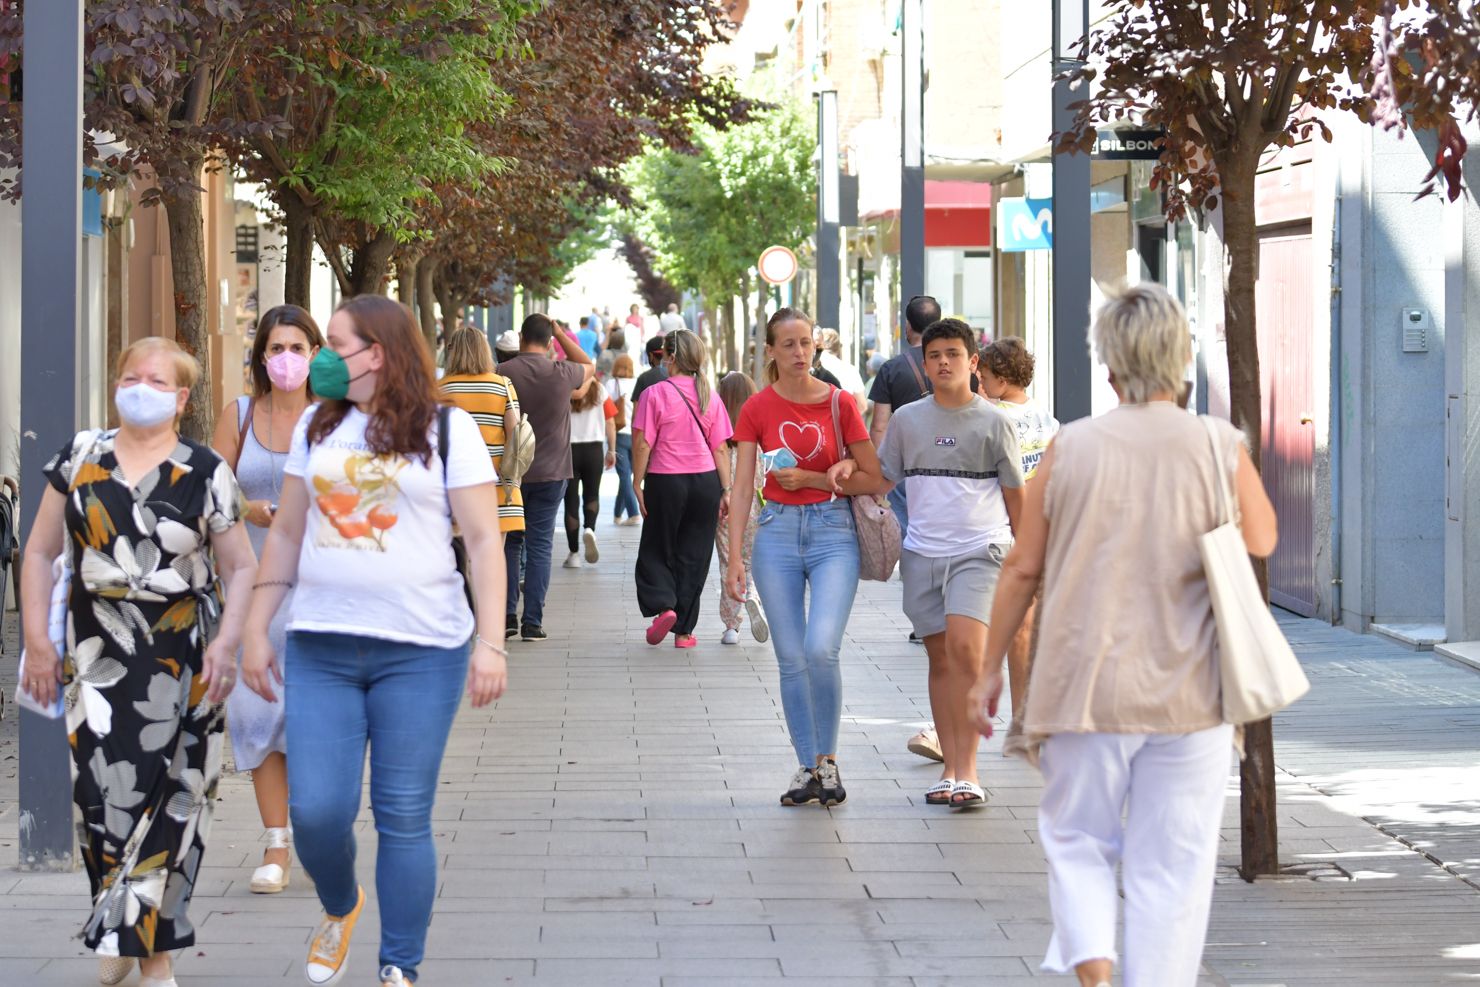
x,y
1170,788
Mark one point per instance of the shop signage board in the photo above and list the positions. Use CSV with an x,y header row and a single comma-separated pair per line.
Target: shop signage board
x,y
1024,224
1128,145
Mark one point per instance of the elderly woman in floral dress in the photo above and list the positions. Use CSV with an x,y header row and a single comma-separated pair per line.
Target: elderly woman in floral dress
x,y
150,655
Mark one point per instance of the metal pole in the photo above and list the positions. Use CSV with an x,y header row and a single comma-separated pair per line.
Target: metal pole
x,y
912,154
51,293
1071,232
829,213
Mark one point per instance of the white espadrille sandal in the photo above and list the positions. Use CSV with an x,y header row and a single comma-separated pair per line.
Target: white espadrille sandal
x,y
272,878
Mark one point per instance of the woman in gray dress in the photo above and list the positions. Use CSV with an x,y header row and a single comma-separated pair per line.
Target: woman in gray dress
x,y
253,433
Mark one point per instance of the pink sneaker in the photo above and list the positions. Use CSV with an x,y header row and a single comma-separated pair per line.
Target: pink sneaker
x,y
685,641
661,625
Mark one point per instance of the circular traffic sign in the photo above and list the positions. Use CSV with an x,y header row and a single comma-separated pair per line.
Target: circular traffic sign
x,y
777,265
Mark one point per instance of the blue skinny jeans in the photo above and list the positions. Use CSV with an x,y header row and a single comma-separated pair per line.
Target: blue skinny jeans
x,y
342,693
798,547
626,495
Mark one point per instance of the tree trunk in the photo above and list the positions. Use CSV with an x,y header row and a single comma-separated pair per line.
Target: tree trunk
x,y
1258,818
298,256
725,324
451,303
192,329
406,265
762,287
370,269
725,331
426,274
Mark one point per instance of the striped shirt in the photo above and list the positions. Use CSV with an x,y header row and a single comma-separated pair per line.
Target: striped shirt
x,y
488,397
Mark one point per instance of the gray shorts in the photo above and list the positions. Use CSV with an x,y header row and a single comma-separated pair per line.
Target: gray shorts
x,y
962,585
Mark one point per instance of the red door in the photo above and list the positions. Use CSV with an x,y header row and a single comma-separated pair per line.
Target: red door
x,y
1285,317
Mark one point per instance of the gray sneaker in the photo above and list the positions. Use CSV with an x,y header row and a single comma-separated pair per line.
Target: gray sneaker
x,y
831,782
804,788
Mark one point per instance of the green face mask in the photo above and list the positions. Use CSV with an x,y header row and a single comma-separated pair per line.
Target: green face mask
x,y
328,374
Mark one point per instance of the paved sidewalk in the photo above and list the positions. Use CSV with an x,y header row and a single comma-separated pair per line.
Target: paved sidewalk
x,y
614,821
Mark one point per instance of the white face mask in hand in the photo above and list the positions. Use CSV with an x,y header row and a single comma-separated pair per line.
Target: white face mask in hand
x,y
143,406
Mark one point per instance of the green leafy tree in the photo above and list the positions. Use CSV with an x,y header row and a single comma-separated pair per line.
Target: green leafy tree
x,y
707,215
1229,81
595,82
377,102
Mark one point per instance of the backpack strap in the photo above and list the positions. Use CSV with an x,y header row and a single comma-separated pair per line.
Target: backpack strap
x,y
444,444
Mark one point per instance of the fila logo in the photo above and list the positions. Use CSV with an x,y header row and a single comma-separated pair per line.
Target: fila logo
x,y
948,441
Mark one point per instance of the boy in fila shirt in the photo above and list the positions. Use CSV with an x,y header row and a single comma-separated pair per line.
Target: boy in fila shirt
x,y
958,458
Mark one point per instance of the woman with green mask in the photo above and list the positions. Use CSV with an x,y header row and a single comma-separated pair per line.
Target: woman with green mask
x,y
380,637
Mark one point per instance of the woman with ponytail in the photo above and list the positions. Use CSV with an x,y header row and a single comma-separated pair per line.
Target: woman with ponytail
x,y
681,471
804,540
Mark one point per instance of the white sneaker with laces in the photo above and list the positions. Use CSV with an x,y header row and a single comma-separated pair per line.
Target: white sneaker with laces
x,y
573,560
730,636
593,555
391,976
759,629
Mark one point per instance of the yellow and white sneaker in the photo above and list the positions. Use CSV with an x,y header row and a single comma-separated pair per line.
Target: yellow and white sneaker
x,y
330,947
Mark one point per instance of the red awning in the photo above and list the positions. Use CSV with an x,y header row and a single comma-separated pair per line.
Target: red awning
x,y
957,214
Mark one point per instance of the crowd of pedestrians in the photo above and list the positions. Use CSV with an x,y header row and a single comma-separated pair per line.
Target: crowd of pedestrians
x,y
363,517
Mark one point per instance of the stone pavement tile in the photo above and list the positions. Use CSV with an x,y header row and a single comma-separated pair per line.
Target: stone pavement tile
x,y
775,912
599,971
613,820
913,966
811,981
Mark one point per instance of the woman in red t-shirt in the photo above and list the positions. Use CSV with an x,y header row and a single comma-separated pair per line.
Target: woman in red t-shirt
x,y
804,540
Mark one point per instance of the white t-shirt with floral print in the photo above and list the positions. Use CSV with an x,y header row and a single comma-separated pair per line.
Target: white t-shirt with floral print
x,y
377,543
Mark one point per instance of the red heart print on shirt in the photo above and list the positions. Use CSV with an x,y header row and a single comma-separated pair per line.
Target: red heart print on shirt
x,y
797,437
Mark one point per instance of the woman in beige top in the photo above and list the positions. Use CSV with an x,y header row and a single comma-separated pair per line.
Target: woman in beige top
x,y
1123,709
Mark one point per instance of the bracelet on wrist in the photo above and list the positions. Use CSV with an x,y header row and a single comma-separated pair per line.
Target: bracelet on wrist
x,y
480,639
273,582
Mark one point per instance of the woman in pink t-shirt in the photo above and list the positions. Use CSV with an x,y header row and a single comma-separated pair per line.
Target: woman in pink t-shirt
x,y
682,475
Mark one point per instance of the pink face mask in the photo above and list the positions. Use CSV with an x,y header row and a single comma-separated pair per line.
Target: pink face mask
x,y
287,370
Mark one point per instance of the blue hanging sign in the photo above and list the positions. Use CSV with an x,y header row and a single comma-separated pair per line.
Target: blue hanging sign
x,y
1024,224
92,207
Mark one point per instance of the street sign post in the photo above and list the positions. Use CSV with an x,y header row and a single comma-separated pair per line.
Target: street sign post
x,y
51,316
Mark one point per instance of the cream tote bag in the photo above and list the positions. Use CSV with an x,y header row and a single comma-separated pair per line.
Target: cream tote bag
x,y
1261,675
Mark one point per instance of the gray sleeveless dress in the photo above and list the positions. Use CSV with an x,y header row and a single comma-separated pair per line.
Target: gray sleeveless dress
x,y
256,725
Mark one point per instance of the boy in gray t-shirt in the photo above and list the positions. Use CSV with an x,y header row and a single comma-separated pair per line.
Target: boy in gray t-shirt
x,y
959,460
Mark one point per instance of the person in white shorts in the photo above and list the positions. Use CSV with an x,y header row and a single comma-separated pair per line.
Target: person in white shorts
x,y
958,457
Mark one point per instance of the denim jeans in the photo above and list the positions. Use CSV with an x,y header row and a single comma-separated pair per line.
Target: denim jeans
x,y
626,496
342,692
542,502
797,547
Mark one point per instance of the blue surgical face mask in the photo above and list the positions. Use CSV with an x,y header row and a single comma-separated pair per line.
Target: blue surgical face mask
x,y
143,406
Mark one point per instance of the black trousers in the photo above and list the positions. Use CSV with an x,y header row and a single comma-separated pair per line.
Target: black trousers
x,y
583,490
677,544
